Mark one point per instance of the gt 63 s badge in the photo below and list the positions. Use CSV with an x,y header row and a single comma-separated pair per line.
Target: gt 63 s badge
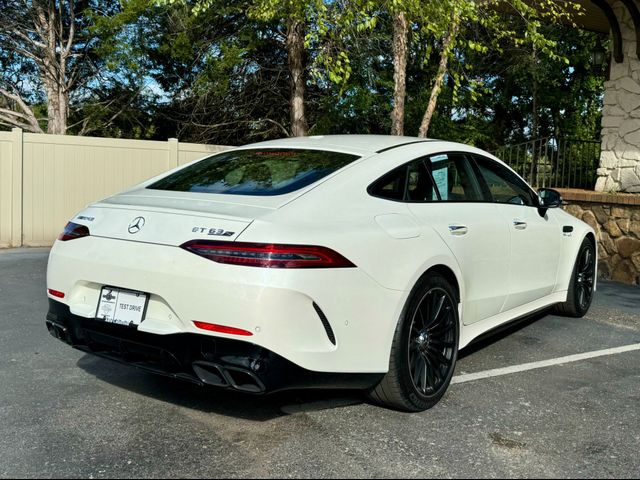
x,y
217,232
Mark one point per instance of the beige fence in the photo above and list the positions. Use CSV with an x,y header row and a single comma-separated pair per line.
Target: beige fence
x,y
46,179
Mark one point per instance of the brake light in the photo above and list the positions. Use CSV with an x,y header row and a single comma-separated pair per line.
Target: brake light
x,y
222,329
55,293
73,231
268,255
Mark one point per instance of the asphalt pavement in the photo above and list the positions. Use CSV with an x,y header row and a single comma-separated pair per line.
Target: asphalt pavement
x,y
67,414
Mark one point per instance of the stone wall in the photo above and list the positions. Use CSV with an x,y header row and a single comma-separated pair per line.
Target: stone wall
x,y
620,159
617,228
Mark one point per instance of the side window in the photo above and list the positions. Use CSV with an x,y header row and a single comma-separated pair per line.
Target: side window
x,y
503,185
391,186
419,184
454,178
409,183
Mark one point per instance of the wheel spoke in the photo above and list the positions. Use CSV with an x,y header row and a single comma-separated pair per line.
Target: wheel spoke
x,y
414,327
412,360
435,371
416,367
440,329
439,356
438,311
441,343
586,263
433,378
424,376
422,320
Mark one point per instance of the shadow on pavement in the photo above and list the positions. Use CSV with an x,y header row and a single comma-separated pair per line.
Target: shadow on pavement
x,y
213,400
246,406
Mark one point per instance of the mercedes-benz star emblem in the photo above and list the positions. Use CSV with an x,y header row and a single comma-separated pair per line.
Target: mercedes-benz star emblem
x,y
109,296
136,225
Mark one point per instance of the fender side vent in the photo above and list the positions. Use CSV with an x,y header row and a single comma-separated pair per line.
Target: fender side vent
x,y
325,322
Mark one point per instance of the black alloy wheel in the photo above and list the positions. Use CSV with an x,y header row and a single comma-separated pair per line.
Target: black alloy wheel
x,y
583,280
424,349
432,341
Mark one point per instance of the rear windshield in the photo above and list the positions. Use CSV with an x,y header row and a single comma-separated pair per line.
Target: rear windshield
x,y
255,172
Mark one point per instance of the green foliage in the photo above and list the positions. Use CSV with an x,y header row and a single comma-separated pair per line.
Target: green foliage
x,y
216,71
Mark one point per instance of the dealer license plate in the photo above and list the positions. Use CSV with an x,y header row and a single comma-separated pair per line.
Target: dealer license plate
x,y
123,307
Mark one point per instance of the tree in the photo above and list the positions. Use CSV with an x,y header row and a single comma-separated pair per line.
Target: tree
x,y
492,15
400,54
499,110
235,71
55,75
447,46
223,74
292,16
44,49
439,24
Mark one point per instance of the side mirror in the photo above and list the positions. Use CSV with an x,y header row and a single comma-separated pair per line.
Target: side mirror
x,y
549,198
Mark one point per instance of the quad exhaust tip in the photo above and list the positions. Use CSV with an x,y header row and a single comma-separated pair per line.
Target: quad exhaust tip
x,y
235,378
58,331
209,373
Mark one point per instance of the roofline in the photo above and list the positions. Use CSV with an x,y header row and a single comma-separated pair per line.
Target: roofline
x,y
403,145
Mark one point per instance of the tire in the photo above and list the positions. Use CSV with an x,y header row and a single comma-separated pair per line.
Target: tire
x,y
580,294
423,352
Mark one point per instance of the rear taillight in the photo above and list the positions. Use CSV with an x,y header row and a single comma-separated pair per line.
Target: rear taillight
x,y
268,255
55,293
73,231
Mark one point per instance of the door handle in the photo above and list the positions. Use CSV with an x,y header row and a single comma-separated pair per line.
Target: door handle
x,y
458,230
519,224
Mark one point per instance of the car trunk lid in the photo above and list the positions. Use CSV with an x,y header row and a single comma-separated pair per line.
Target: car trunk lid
x,y
172,218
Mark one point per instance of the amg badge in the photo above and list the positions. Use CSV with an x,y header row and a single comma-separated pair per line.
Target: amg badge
x,y
217,232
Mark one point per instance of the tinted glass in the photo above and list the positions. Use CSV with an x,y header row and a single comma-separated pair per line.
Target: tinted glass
x,y
391,186
419,184
255,172
454,178
503,185
410,183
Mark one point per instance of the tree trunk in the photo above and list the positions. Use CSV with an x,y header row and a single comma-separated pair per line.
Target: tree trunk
x,y
57,107
58,116
43,32
534,133
54,72
400,50
295,51
442,71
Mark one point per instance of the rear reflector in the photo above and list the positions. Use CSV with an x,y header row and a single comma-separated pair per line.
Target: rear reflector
x,y
268,255
222,329
73,231
56,293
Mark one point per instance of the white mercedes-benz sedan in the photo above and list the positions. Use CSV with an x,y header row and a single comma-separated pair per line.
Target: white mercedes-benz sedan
x,y
322,262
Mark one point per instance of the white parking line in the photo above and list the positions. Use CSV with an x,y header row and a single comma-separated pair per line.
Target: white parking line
x,y
497,372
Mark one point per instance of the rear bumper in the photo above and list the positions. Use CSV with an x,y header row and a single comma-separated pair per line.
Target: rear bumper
x,y
200,359
351,334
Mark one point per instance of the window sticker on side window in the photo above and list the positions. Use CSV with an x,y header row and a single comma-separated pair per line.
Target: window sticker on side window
x,y
440,174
